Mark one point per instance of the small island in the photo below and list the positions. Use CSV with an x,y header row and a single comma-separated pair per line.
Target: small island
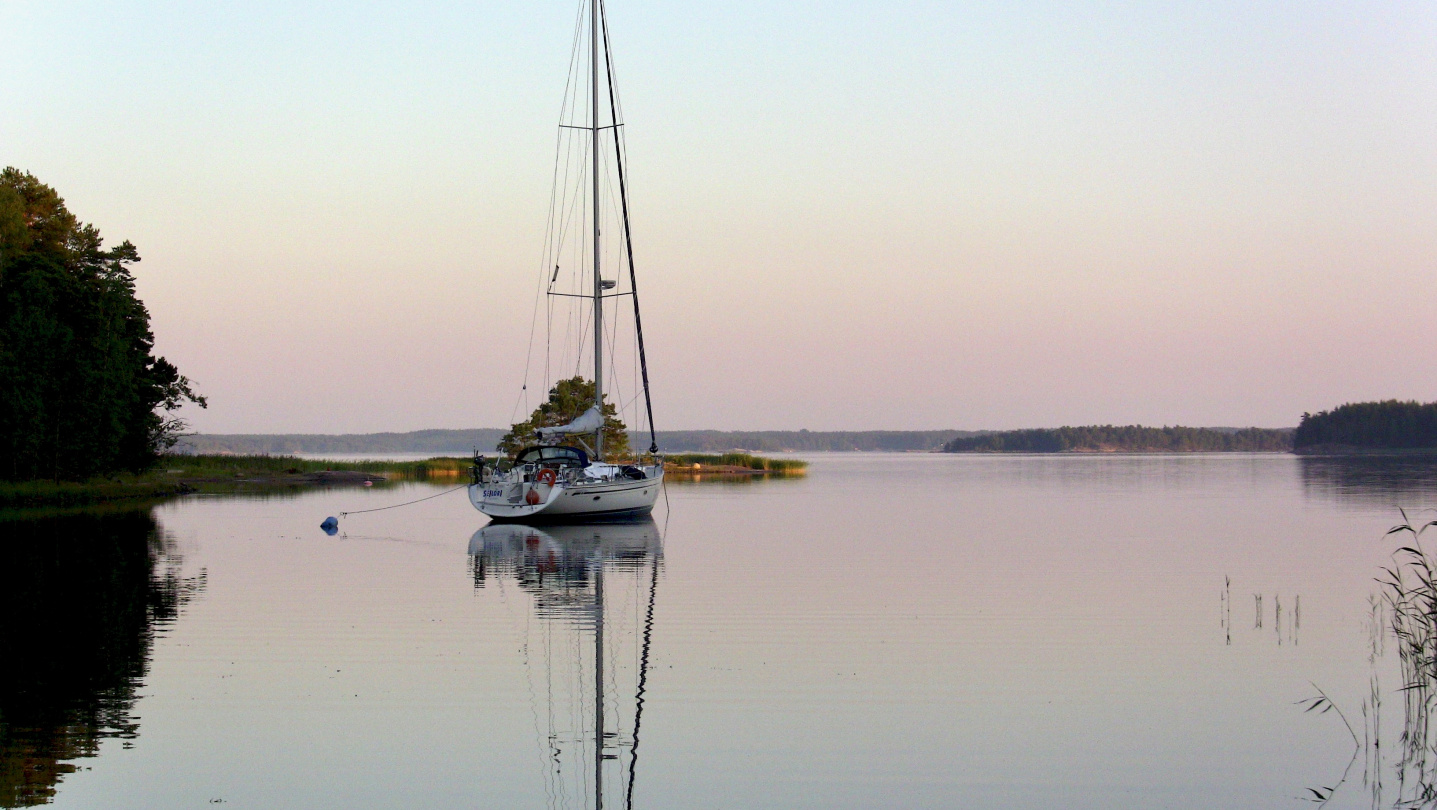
x,y
1390,427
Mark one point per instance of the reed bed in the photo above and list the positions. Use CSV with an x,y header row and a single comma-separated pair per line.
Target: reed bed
x,y
1404,610
1409,589
780,466
204,466
182,474
438,467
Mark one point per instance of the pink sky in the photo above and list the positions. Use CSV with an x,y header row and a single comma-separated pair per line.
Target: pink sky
x,y
845,217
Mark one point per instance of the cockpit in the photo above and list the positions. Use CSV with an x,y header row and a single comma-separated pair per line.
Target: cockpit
x,y
555,457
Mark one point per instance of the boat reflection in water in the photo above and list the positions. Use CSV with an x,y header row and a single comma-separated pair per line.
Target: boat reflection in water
x,y
593,588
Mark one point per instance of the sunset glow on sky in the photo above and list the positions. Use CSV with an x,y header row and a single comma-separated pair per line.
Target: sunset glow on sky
x,y
846,215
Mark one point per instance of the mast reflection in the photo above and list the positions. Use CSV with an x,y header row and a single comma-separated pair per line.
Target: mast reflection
x,y
592,586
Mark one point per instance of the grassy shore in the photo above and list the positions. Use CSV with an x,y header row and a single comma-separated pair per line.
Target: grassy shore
x,y
186,474
265,466
232,474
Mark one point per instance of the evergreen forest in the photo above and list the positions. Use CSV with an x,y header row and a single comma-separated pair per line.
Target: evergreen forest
x,y
81,392
1386,425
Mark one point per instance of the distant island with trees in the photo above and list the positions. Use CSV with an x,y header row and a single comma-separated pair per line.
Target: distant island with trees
x,y
1127,439
1362,428
486,439
1357,428
1056,440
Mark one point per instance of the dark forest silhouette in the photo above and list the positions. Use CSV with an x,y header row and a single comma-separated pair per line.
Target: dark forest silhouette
x,y
1386,425
81,393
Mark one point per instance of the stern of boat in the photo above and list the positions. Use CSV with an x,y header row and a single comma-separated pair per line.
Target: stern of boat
x,y
578,501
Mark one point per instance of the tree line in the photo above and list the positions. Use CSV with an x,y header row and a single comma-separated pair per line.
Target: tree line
x,y
485,439
81,391
809,441
1390,425
1125,438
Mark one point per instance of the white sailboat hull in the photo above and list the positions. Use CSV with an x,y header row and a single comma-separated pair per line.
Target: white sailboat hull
x,y
617,499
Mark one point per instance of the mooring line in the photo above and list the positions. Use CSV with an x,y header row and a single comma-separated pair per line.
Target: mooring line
x,y
407,503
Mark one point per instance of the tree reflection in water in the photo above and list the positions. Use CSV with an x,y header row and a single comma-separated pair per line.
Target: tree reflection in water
x,y
1370,480
83,597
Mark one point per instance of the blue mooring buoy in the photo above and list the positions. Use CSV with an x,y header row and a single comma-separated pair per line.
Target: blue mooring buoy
x,y
330,526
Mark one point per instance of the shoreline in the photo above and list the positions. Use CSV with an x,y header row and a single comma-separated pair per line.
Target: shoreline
x,y
179,475
1317,451
1358,451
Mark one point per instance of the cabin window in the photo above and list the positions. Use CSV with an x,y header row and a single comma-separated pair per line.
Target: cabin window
x,y
553,457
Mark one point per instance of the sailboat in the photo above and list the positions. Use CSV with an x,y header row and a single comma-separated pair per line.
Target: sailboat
x,y
563,477
584,581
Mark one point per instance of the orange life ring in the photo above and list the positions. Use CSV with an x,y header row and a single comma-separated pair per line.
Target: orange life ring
x,y
547,476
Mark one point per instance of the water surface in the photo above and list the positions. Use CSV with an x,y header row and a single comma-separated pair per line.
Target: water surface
x,y
889,631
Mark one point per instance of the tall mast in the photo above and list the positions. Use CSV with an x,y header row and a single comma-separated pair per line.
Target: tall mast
x,y
598,279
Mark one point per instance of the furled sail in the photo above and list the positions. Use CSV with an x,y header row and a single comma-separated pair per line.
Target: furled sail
x,y
588,422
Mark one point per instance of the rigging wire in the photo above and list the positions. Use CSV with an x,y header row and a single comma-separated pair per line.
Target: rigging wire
x,y
639,693
568,213
549,228
561,211
628,240
611,193
616,114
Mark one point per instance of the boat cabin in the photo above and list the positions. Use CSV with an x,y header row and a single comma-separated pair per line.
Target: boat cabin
x,y
554,457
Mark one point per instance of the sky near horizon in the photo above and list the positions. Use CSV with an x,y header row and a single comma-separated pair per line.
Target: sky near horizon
x,y
846,215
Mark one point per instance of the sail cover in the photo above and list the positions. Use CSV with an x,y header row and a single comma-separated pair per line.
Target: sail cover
x,y
588,422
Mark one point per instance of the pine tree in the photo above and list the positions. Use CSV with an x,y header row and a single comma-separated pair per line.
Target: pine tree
x,y
81,392
568,400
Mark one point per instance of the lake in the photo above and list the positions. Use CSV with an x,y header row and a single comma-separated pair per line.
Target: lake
x,y
892,630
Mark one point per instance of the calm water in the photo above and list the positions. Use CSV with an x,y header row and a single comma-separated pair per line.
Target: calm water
x,y
891,631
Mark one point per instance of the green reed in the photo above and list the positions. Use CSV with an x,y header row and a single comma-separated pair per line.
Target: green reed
x,y
1408,598
1409,589
790,466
